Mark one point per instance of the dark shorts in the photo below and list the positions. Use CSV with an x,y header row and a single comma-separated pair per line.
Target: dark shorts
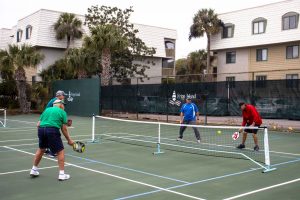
x,y
254,131
50,138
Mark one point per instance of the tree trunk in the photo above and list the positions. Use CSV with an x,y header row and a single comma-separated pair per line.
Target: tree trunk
x,y
21,86
208,53
105,62
68,42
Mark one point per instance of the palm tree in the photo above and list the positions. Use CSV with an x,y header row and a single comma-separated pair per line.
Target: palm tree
x,y
68,26
205,21
81,62
105,39
17,58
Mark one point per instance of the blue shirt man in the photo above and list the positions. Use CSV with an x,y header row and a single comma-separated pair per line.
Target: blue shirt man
x,y
188,113
59,95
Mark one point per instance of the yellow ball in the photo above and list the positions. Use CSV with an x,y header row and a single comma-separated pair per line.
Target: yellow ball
x,y
219,132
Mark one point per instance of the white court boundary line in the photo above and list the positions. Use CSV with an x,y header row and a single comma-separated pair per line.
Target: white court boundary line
x,y
263,189
26,170
115,176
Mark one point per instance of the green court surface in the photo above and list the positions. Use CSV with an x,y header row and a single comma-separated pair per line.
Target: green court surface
x,y
109,169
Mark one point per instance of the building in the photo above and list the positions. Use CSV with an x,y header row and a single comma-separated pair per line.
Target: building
x,y
37,30
260,43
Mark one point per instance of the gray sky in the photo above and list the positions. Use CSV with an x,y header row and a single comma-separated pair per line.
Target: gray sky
x,y
174,14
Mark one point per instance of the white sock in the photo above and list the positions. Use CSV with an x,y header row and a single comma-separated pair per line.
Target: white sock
x,y
34,168
61,171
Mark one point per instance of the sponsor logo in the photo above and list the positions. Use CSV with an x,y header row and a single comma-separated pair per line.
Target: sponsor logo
x,y
177,98
71,95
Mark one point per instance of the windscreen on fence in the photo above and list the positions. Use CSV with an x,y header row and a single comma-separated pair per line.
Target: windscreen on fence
x,y
273,98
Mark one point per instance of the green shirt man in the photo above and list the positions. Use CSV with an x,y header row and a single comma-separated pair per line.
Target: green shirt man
x,y
53,117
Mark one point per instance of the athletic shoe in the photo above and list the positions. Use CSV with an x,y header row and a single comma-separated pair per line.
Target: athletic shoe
x,y
51,155
241,146
34,173
198,141
179,139
63,177
256,148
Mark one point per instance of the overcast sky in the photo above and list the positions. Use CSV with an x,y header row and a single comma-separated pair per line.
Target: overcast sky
x,y
174,14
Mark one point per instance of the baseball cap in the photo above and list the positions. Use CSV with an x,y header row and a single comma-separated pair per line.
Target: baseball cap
x,y
58,101
60,93
188,98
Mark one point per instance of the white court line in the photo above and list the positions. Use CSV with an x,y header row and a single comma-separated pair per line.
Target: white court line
x,y
263,189
17,145
19,130
26,170
278,152
115,176
36,139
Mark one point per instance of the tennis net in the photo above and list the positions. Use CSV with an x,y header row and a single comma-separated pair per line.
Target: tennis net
x,y
3,117
218,141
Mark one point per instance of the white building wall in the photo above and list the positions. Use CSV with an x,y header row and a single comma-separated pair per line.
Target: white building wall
x,y
5,38
155,71
52,54
233,69
154,37
242,20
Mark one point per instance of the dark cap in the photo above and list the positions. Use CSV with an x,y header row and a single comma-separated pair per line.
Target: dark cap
x,y
60,93
188,98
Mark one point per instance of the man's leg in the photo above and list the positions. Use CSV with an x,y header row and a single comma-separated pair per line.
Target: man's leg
x,y
38,156
61,164
61,160
255,139
36,161
197,134
244,137
242,145
181,130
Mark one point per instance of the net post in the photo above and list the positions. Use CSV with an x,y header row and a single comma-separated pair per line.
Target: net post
x,y
267,152
4,123
158,142
94,140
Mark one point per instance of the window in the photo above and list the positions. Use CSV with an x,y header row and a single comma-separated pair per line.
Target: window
x,y
230,57
169,45
292,52
261,81
230,81
292,80
33,79
259,25
215,72
228,30
19,35
28,32
261,54
168,63
290,20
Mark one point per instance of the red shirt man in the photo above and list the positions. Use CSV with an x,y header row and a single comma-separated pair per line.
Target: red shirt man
x,y
250,118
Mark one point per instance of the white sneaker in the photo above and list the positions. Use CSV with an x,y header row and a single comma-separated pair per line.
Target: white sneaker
x,y
179,139
34,173
198,141
63,177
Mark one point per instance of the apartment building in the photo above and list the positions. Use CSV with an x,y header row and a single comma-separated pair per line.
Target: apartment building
x,y
260,43
37,30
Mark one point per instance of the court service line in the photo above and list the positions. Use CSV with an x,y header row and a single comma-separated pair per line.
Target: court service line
x,y
126,168
115,176
263,189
